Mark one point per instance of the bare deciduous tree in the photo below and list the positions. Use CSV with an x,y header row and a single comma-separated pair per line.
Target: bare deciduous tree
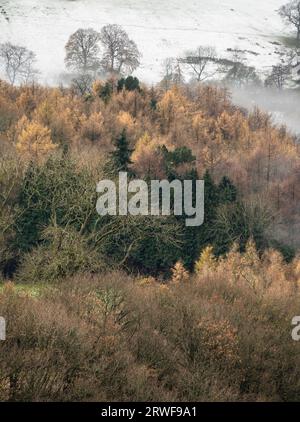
x,y
238,72
172,73
242,75
82,84
18,63
279,75
199,60
121,54
82,51
290,13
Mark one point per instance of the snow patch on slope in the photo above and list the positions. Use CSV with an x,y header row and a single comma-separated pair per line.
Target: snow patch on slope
x,y
161,28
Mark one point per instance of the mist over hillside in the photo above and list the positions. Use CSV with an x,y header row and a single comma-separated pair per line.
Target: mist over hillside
x,y
283,105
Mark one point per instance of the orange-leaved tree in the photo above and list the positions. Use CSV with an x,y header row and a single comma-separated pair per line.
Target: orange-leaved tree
x,y
34,140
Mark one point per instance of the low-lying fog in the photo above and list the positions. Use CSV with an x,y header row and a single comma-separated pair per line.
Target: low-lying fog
x,y
282,104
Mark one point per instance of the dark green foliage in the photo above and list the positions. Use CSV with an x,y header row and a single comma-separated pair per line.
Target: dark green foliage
x,y
197,238
181,155
227,191
211,195
144,244
215,196
242,75
191,241
106,92
211,203
34,214
10,176
238,222
130,83
63,253
172,159
55,191
288,252
153,100
60,195
153,103
119,159
57,194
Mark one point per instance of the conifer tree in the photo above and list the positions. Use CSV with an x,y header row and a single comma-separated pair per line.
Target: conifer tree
x,y
120,158
206,260
227,191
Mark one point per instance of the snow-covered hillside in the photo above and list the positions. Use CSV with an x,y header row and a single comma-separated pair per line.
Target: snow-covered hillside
x,y
161,28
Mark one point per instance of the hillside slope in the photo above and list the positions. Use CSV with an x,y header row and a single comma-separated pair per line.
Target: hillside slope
x,y
160,28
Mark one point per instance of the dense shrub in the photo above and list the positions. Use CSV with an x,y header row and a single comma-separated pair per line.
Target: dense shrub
x,y
59,354
224,334
64,252
56,191
11,174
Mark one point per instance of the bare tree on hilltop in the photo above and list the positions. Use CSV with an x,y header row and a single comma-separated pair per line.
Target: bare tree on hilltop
x,y
172,73
238,72
121,54
110,51
18,63
83,50
199,60
279,75
290,13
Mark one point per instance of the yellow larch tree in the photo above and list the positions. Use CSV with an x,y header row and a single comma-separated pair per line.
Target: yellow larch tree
x,y
125,120
207,260
91,126
146,157
173,106
179,273
34,141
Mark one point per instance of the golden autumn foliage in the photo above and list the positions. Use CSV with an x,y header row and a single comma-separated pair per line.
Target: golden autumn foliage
x,y
179,273
172,106
267,275
91,126
34,140
260,158
221,332
96,87
125,120
206,260
146,158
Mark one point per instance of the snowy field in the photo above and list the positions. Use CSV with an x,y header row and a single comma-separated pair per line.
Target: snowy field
x,y
161,28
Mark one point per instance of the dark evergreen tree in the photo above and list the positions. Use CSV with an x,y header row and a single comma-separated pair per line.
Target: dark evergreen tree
x,y
120,158
153,100
106,92
34,212
55,192
203,236
190,238
172,159
191,241
227,191
130,83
